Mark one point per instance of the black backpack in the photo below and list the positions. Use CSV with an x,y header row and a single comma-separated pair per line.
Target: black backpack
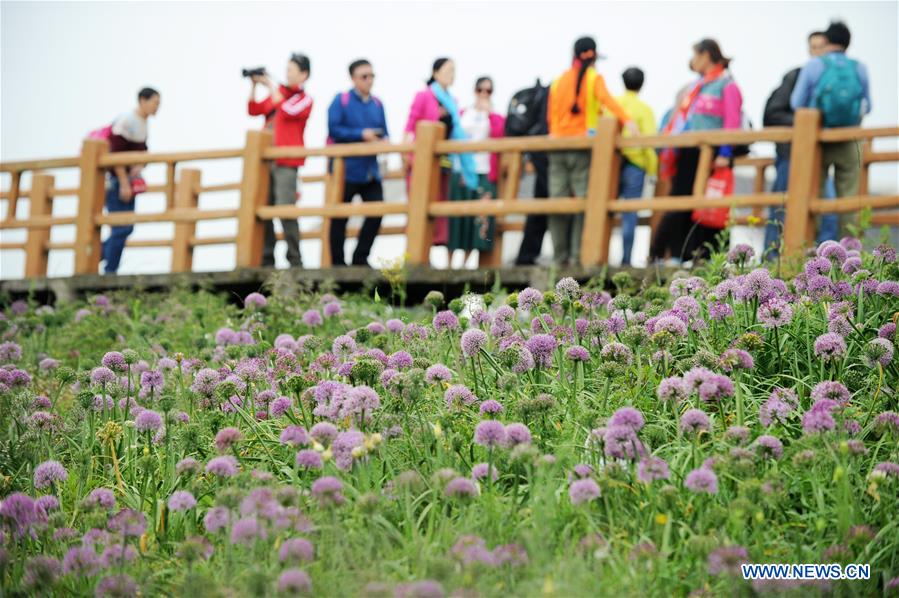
x,y
527,112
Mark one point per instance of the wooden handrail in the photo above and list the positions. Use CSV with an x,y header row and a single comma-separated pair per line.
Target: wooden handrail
x,y
601,208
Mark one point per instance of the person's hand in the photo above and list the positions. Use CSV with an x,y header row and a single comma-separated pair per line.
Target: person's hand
x,y
369,135
257,78
529,167
722,162
407,164
125,193
632,128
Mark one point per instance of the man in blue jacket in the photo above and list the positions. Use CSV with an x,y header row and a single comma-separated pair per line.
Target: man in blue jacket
x,y
355,116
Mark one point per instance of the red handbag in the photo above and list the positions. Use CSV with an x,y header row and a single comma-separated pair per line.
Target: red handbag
x,y
720,184
138,185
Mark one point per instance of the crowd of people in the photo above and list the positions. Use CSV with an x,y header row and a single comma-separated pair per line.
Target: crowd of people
x,y
830,81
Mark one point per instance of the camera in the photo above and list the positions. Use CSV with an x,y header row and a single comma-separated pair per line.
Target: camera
x,y
254,72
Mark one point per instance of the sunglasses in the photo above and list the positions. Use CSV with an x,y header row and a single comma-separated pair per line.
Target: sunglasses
x,y
487,90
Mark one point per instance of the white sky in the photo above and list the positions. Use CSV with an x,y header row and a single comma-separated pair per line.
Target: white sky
x,y
68,68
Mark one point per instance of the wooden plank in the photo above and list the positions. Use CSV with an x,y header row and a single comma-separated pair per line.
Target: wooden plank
x,y
253,194
339,150
509,178
805,167
46,164
174,215
500,207
170,185
891,219
38,222
218,188
90,205
13,197
334,190
374,208
4,246
856,133
703,169
186,198
602,187
421,198
873,157
132,158
35,246
853,204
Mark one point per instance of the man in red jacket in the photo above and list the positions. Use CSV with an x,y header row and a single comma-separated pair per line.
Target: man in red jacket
x,y
286,111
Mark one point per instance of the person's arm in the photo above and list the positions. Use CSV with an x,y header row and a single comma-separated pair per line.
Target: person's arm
x,y
866,86
262,108
732,100
297,111
802,92
338,131
778,112
606,100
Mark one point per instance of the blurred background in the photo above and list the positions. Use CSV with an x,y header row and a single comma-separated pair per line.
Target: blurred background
x,y
68,68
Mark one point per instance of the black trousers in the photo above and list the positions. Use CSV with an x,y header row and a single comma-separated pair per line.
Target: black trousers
x,y
535,225
677,233
370,191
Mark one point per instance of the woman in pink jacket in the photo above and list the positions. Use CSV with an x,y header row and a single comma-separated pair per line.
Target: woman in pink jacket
x,y
427,106
480,122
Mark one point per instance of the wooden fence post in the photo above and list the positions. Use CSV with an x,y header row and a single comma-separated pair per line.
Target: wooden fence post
x,y
425,169
91,195
507,182
805,167
253,194
186,195
605,165
13,196
336,181
36,244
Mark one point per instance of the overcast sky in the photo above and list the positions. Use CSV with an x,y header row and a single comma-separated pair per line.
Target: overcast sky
x,y
70,67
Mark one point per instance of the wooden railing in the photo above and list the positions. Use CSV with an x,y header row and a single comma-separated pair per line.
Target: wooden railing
x,y
600,206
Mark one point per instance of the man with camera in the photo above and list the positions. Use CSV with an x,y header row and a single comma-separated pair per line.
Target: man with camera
x,y
355,116
286,112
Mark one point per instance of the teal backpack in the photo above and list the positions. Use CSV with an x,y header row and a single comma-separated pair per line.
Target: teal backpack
x,y
838,94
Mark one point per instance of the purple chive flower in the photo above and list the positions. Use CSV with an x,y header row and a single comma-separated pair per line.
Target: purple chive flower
x,y
216,519
888,288
312,317
331,309
830,390
651,469
672,389
395,326
671,324
151,382
694,421
296,550
816,421
702,480
19,508
583,490
479,472
473,341
617,353
438,373
128,522
775,313
888,420
719,310
740,254
887,331
224,466
716,388
205,381
542,347
445,321
227,438
148,421
459,395
621,442
400,360
81,561
736,359
568,288
294,436
48,473
309,459
490,407
102,375
878,351
830,346
490,433
115,361
885,252
324,432
727,560
182,500
255,300
102,498
41,573
187,465
280,406
517,434
887,468
577,353
328,491
246,531
769,447
627,416
294,581
529,299
460,488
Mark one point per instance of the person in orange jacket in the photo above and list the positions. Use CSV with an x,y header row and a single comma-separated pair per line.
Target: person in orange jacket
x,y
576,98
